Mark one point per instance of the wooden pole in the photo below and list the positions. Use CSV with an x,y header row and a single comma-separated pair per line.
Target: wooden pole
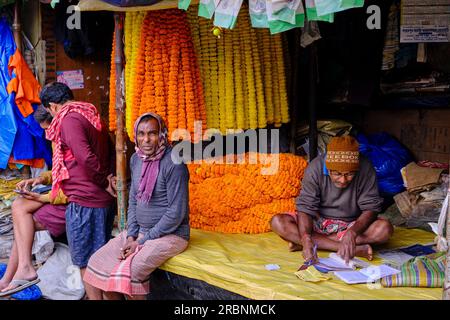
x,y
17,28
446,293
121,160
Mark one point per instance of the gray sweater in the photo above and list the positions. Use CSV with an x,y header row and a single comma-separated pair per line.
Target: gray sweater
x,y
168,209
320,196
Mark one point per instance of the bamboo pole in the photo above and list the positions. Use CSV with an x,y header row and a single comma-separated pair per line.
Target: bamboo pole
x,y
17,28
446,293
121,164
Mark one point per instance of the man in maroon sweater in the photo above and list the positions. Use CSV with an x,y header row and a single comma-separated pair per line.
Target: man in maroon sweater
x,y
83,166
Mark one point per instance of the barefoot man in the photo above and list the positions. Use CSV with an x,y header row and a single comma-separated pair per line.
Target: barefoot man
x,y
337,207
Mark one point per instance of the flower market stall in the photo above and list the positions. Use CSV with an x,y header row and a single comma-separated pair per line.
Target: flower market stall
x,y
213,69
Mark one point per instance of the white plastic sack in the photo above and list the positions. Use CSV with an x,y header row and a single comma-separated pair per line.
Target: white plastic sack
x,y
43,246
60,279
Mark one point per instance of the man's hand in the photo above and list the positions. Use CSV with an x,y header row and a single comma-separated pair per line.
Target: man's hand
x,y
129,247
112,185
308,249
33,196
26,185
347,250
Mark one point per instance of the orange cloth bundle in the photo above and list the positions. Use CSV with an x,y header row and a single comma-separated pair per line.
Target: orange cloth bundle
x,y
240,198
24,84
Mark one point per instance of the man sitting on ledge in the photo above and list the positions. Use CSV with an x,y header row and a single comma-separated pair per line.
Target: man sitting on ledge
x,y
337,207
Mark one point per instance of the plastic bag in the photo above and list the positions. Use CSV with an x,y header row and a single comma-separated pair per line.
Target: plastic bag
x,y
43,246
293,16
258,13
311,13
226,13
388,157
206,8
60,279
325,7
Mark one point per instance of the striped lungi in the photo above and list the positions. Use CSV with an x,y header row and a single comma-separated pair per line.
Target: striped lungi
x,y
152,254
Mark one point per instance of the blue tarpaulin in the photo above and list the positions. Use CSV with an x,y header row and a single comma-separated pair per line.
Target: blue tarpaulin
x,y
8,127
20,137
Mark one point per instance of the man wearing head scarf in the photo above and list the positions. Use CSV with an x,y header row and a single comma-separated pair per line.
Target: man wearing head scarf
x,y
158,219
337,207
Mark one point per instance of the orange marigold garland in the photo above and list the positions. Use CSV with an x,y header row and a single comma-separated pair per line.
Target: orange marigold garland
x,y
167,75
238,198
112,88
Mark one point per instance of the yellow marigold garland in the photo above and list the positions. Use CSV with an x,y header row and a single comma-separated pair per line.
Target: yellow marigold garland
x,y
251,100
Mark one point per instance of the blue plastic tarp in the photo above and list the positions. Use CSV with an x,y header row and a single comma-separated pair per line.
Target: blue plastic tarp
x,y
8,127
20,137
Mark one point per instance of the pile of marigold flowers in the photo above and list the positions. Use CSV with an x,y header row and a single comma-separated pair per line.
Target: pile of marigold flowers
x,y
237,197
243,74
161,72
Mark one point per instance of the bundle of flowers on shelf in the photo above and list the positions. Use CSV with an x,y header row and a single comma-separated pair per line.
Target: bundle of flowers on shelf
x,y
243,75
162,74
240,196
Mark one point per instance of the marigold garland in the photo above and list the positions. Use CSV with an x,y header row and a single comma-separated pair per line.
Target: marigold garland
x,y
162,73
244,86
238,198
112,88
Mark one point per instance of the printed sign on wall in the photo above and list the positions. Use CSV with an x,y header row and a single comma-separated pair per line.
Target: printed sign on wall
x,y
72,78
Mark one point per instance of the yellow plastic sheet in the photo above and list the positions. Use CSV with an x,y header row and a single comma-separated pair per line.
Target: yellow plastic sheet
x,y
236,262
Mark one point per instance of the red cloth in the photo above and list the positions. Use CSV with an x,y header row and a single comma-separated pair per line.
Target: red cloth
x,y
24,84
92,162
53,133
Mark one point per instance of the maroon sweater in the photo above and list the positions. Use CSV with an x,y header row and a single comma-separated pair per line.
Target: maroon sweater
x,y
90,164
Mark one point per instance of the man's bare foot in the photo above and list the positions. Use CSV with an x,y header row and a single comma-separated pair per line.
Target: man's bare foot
x,y
27,273
365,251
294,247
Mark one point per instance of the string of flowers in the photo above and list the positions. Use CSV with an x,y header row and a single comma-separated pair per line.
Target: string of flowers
x,y
112,89
283,100
265,50
230,106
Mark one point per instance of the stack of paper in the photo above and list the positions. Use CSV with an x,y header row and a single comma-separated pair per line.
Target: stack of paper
x,y
366,275
336,263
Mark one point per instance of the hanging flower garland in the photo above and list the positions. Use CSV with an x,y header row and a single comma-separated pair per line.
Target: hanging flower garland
x,y
162,72
241,73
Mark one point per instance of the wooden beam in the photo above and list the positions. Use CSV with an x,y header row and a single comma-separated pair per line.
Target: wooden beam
x,y
121,159
17,28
